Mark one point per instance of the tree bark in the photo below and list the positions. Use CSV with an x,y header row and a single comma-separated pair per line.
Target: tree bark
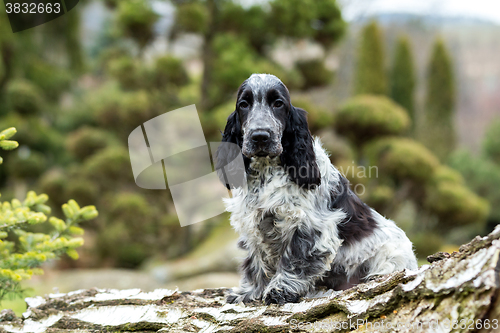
x,y
457,292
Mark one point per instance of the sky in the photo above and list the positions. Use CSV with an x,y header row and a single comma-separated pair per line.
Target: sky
x,y
482,9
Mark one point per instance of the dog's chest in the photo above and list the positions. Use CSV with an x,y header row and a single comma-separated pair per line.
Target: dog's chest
x,y
272,211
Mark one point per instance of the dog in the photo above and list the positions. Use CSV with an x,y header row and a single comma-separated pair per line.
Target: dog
x,y
301,224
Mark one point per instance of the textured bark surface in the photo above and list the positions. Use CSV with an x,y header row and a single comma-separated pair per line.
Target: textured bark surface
x,y
457,292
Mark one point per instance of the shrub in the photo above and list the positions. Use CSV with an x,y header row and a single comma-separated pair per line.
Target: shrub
x,y
52,80
136,108
426,243
169,70
234,62
191,17
483,176
380,197
403,77
440,103
370,71
136,19
125,240
491,144
216,120
456,205
292,17
328,24
86,141
24,98
122,111
440,99
128,72
353,173
105,103
83,190
23,252
317,117
35,133
26,164
314,72
251,24
54,184
402,159
108,166
366,117
444,174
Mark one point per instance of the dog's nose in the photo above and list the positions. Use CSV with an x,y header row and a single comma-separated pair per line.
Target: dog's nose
x,y
260,137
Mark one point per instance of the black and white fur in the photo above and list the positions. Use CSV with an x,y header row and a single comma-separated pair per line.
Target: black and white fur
x,y
296,216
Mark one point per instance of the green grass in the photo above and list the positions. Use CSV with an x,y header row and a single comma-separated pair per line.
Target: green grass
x,y
17,303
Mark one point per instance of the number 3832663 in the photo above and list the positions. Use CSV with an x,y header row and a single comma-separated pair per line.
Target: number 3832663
x,y
32,8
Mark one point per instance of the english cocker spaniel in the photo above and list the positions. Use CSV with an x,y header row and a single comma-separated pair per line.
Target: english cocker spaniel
x,y
302,225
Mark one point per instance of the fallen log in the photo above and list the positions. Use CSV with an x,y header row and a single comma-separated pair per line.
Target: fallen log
x,y
457,292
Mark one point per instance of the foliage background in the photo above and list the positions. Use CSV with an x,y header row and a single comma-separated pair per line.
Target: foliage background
x,y
76,87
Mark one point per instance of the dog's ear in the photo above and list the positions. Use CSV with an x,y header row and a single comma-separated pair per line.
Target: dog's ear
x,y
232,131
298,155
227,153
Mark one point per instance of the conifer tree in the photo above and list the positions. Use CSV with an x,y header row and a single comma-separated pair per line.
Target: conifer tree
x,y
440,102
23,251
370,73
236,37
403,77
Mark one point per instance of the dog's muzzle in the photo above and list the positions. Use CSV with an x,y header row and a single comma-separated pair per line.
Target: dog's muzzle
x,y
260,143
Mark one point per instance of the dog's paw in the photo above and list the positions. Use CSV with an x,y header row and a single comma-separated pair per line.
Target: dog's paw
x,y
281,297
238,297
233,298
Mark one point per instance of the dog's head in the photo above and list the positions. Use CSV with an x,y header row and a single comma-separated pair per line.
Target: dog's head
x,y
266,124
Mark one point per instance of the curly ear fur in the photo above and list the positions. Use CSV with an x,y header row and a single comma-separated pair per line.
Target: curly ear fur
x,y
232,133
298,154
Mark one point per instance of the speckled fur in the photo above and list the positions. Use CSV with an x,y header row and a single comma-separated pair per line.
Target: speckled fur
x,y
298,236
270,191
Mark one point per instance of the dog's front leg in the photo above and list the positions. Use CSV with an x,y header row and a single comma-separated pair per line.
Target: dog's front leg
x,y
254,281
301,264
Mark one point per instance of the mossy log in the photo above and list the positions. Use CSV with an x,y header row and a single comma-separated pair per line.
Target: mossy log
x,y
457,292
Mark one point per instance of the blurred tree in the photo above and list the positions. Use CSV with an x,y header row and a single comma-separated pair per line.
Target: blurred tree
x,y
6,55
403,77
483,173
404,172
365,117
371,77
79,131
22,251
491,144
24,98
314,72
254,28
439,132
136,20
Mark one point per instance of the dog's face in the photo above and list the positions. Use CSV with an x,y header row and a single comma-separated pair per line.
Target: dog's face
x,y
265,123
263,106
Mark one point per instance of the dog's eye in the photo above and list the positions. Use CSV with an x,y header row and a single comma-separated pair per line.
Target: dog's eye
x,y
244,105
278,104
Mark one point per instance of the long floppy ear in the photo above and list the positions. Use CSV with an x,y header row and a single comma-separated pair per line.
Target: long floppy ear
x,y
227,153
232,131
298,155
